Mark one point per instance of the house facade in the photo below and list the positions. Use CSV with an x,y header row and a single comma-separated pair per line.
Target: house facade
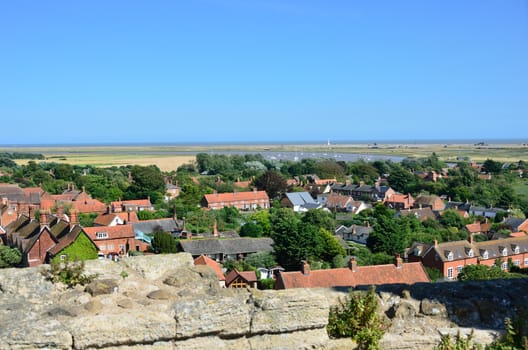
x,y
450,257
249,200
116,239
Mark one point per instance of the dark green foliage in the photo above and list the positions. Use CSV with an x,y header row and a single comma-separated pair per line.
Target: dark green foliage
x,y
147,182
164,243
434,274
389,235
262,259
69,272
481,272
9,256
357,316
272,182
251,229
329,169
21,155
266,283
319,218
87,220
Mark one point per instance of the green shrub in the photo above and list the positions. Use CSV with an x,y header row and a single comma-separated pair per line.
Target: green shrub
x,y
68,272
516,336
267,283
458,343
357,317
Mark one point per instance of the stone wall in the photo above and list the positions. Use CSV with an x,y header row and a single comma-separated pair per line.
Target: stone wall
x,y
164,302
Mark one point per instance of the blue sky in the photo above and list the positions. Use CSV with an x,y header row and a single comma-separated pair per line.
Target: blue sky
x,y
262,70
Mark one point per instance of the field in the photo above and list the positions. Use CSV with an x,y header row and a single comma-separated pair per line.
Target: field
x,y
171,157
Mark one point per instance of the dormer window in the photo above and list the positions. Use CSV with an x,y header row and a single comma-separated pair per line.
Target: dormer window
x,y
516,249
485,254
417,251
504,251
470,253
101,235
450,256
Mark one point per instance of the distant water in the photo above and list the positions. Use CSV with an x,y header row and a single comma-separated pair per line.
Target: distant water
x,y
275,143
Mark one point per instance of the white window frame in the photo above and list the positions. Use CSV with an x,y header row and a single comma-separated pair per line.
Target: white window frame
x,y
504,251
101,235
485,255
471,253
504,265
450,272
459,268
450,256
517,262
525,262
516,250
62,257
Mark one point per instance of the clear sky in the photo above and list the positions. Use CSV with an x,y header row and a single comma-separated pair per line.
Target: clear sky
x,y
262,70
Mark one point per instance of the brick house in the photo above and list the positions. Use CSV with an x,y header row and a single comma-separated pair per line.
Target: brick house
x,y
241,279
451,257
248,200
131,205
432,201
116,239
399,201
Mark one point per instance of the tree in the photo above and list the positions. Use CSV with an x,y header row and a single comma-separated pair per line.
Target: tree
x,y
319,218
9,256
147,182
389,235
293,240
481,272
163,243
272,182
491,166
250,229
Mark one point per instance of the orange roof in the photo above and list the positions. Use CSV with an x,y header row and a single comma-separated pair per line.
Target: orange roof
x,y
517,234
236,197
205,260
89,206
408,273
400,198
138,202
119,231
324,181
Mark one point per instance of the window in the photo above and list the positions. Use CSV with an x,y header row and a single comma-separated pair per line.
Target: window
x,y
485,254
459,269
516,249
110,247
450,256
504,252
504,266
525,262
101,235
63,257
517,262
470,253
450,273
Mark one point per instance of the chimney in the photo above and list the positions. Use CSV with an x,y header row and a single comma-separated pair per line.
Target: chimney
x,y
436,243
128,217
470,238
74,219
305,267
43,219
215,229
352,264
398,261
254,189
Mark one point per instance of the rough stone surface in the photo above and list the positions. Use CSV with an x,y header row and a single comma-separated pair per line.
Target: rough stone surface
x,y
163,302
100,287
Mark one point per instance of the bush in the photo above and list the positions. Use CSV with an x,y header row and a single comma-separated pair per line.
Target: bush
x,y
164,243
9,256
267,283
68,272
357,317
458,343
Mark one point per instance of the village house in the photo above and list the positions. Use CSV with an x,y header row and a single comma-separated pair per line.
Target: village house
x,y
399,201
339,203
429,201
72,199
131,205
516,224
118,239
450,257
224,249
355,233
206,261
248,200
113,219
478,228
353,276
299,201
51,236
489,213
241,279
421,214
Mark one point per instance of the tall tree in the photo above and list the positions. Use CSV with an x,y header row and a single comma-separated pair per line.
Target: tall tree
x,y
272,182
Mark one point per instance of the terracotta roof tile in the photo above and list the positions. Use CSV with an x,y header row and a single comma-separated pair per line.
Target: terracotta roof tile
x,y
236,197
408,273
205,260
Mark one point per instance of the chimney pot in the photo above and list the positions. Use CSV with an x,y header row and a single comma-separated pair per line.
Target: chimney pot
x,y
352,264
305,267
398,261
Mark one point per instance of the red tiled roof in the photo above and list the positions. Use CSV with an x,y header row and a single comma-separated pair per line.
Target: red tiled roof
x,y
138,202
324,181
89,206
408,273
119,231
205,260
517,234
248,276
236,197
338,201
